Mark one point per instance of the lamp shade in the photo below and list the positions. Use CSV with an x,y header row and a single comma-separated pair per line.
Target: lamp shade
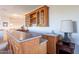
x,y
67,26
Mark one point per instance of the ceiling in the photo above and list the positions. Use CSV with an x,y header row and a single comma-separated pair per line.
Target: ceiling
x,y
7,10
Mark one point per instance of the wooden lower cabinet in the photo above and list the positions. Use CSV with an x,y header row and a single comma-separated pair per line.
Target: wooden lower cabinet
x,y
30,47
27,47
51,44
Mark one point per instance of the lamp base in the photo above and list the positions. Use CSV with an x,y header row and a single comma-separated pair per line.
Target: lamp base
x,y
66,38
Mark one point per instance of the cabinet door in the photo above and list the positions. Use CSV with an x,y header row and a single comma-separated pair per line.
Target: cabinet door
x,y
43,16
31,46
46,16
51,44
27,20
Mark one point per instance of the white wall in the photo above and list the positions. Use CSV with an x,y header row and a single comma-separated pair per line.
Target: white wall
x,y
56,15
13,23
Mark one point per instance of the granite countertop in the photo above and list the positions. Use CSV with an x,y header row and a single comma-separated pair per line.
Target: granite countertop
x,y
27,39
50,34
26,36
23,39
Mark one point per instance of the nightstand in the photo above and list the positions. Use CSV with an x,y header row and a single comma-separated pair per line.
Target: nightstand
x,y
65,47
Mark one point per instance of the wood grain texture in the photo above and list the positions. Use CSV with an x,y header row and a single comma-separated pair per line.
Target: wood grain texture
x,y
30,46
39,17
51,44
27,47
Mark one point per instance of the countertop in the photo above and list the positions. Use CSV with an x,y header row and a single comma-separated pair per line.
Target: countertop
x,y
50,34
25,38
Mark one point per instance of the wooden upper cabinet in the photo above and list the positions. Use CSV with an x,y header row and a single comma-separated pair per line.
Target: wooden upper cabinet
x,y
38,17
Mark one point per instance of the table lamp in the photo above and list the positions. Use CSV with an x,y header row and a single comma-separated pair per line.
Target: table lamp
x,y
67,28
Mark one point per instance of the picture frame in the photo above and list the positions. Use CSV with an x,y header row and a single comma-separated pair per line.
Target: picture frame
x,y
5,24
